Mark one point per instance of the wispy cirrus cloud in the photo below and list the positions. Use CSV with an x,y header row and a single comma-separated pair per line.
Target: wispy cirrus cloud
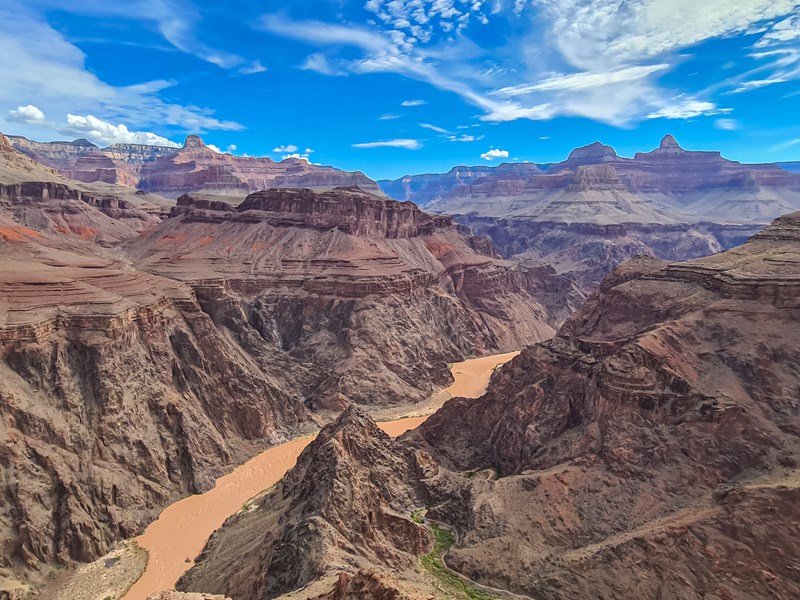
x,y
600,59
408,144
50,73
434,128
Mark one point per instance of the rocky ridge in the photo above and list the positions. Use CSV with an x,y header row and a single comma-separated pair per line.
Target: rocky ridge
x,y
195,167
333,277
344,507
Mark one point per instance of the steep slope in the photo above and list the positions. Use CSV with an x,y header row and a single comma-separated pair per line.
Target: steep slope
x,y
117,396
654,439
345,506
117,393
373,296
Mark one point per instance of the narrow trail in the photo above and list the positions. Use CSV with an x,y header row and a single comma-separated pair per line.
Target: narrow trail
x,y
183,528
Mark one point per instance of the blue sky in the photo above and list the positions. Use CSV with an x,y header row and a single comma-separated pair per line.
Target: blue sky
x,y
392,87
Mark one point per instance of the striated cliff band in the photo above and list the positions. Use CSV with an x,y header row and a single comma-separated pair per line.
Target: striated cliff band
x,y
172,171
649,450
596,209
369,297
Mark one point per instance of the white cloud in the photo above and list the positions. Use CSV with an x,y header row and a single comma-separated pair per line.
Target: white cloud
x,y
726,124
785,145
231,148
465,138
50,72
494,153
319,63
598,59
412,103
292,151
90,127
26,114
687,109
214,148
398,143
389,117
323,34
433,128
253,68
105,133
582,81
175,20
754,84
787,30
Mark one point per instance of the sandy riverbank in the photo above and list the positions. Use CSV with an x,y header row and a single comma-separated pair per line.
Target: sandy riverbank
x,y
182,529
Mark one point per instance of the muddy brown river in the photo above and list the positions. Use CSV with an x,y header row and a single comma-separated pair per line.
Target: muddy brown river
x,y
183,528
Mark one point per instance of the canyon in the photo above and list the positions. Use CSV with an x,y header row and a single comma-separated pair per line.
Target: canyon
x,y
596,209
649,449
143,356
168,314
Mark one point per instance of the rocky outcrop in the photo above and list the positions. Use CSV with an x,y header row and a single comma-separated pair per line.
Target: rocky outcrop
x,y
58,207
198,168
653,440
593,154
587,252
334,277
589,214
345,505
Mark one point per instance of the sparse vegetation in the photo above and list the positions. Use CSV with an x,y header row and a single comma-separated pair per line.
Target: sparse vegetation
x,y
433,563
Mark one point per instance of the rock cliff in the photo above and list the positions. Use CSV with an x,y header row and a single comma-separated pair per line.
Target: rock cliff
x,y
172,171
373,296
591,212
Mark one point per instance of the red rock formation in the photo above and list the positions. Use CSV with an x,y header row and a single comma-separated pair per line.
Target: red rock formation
x,y
671,203
175,171
652,442
334,277
347,504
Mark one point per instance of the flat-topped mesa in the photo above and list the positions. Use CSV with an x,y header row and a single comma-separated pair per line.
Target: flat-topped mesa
x,y
347,209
